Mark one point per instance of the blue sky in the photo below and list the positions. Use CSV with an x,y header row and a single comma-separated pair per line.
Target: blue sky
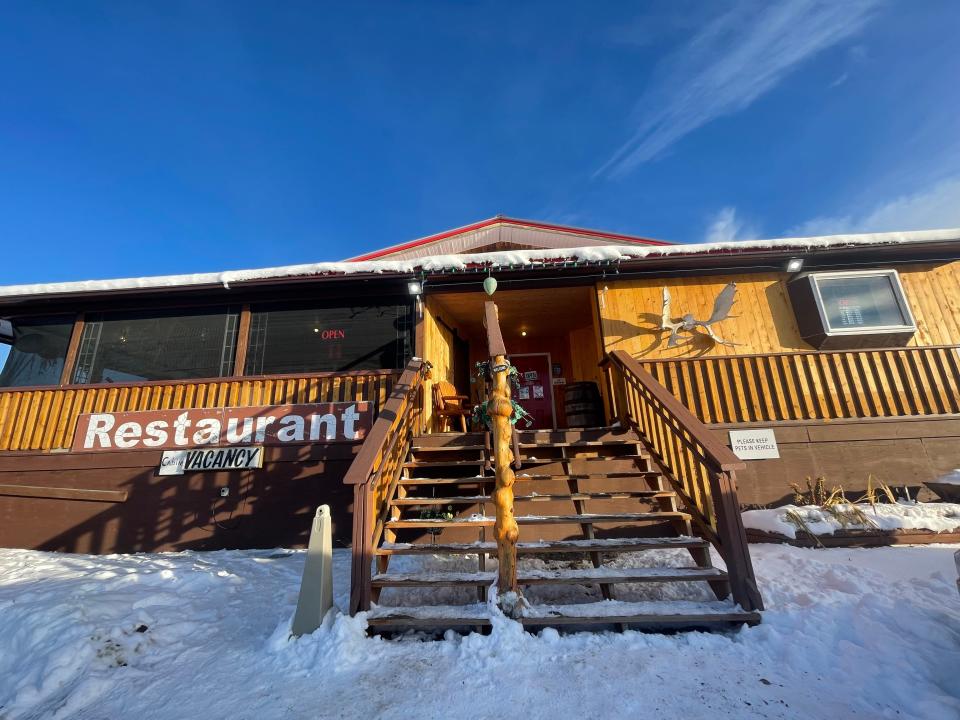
x,y
154,138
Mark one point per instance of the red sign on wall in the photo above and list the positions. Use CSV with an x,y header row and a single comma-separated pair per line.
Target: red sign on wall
x,y
223,427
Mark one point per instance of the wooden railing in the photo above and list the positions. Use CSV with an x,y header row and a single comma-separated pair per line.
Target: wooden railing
x,y
697,464
898,382
374,473
45,418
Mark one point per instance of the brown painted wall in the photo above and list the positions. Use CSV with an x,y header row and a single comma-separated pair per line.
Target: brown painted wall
x,y
845,453
268,507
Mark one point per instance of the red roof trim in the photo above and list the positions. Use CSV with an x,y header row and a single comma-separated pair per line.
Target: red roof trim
x,y
512,221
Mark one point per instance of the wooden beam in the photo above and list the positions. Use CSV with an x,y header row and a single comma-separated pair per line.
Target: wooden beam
x,y
491,322
243,341
62,493
73,348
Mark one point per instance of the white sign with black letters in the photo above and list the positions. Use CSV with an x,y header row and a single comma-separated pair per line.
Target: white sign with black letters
x,y
176,462
754,444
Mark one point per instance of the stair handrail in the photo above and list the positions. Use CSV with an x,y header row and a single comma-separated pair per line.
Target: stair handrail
x,y
701,469
376,468
499,410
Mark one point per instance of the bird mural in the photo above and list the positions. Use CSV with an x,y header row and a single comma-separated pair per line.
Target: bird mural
x,y
721,310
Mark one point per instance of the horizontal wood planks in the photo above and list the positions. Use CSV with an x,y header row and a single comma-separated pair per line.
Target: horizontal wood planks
x,y
900,382
45,419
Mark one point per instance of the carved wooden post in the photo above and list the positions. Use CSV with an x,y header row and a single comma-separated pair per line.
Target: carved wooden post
x,y
500,409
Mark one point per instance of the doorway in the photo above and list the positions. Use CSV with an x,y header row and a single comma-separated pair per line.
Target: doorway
x,y
535,393
553,331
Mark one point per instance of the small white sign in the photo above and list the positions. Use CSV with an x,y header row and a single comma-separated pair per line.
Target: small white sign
x,y
176,462
754,444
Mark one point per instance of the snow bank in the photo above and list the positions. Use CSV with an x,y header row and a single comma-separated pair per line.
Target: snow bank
x,y
847,633
939,517
516,258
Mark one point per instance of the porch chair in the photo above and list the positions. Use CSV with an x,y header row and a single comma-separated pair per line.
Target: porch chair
x,y
448,404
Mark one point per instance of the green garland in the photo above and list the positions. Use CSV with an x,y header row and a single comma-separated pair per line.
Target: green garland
x,y
480,413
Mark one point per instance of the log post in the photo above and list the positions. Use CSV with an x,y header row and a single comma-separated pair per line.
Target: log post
x,y
500,410
505,528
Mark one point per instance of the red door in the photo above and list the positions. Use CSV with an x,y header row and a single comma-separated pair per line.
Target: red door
x,y
536,389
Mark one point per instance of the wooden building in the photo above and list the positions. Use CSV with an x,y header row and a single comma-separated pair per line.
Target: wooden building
x,y
123,403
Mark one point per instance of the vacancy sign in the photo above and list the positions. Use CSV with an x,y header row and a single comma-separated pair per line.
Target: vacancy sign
x,y
754,444
177,462
223,427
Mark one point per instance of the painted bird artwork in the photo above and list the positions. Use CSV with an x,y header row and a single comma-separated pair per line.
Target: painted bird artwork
x,y
721,310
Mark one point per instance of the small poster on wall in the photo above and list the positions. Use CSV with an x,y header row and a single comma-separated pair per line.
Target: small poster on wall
x,y
525,393
530,376
538,392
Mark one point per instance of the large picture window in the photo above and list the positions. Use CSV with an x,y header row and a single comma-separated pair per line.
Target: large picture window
x,y
865,308
174,345
38,352
288,339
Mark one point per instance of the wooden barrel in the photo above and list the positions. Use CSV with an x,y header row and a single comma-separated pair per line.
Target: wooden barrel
x,y
583,406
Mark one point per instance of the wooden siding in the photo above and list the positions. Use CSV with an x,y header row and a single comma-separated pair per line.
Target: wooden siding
x,y
902,382
438,349
45,418
762,320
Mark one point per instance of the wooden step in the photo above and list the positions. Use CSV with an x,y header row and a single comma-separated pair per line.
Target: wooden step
x,y
584,519
603,458
653,615
527,477
579,444
443,463
474,499
576,576
560,576
446,448
613,545
438,578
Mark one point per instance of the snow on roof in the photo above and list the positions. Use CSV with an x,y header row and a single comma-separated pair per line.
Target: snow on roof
x,y
512,258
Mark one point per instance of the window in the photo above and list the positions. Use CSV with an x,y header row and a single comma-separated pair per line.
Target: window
x,y
857,309
38,352
289,339
857,302
174,345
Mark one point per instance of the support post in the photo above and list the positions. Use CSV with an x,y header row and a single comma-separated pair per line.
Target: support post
x,y
505,528
500,409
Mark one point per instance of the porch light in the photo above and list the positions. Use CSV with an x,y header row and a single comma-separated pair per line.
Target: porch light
x,y
523,333
794,265
414,288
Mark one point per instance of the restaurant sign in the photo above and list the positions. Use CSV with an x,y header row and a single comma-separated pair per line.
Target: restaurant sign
x,y
223,427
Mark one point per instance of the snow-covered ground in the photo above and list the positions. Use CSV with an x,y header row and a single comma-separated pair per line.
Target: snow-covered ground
x,y
903,515
853,633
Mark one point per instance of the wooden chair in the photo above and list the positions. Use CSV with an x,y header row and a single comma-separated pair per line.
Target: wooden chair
x,y
448,404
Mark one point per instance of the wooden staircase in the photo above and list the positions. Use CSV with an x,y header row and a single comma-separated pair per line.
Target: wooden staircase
x,y
603,541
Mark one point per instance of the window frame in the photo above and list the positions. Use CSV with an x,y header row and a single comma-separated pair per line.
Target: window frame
x,y
327,303
898,292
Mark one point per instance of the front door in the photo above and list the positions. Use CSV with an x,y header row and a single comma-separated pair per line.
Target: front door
x,y
536,390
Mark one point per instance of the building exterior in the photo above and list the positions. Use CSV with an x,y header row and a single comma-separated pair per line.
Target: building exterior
x,y
839,353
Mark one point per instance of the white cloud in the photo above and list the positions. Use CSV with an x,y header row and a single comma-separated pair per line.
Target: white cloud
x,y
935,207
841,79
737,57
726,226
